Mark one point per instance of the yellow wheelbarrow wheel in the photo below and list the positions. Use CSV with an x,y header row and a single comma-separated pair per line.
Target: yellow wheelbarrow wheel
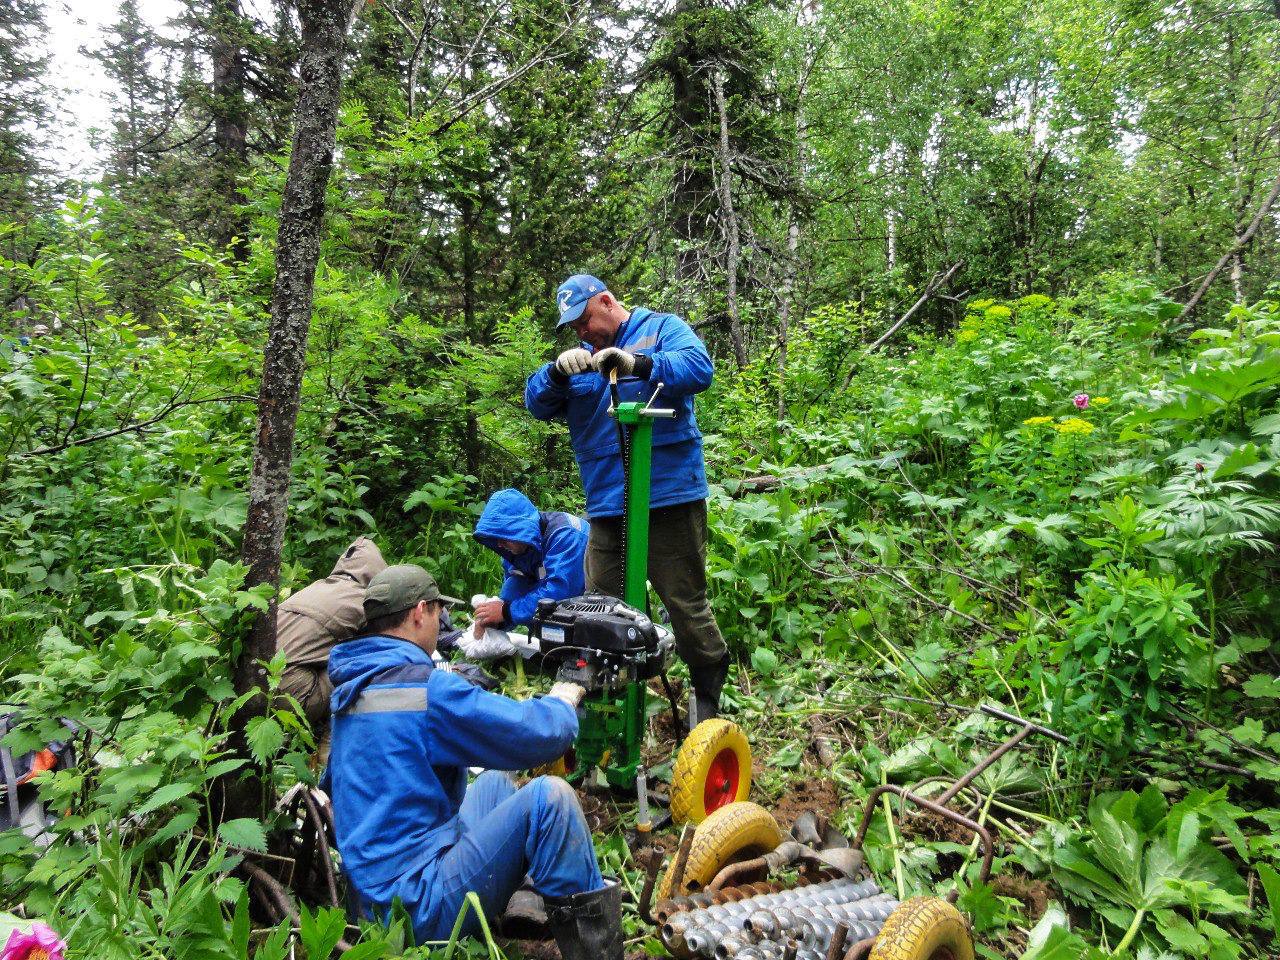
x,y
712,770
924,928
739,831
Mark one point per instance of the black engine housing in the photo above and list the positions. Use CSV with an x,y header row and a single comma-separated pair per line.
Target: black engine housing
x,y
598,640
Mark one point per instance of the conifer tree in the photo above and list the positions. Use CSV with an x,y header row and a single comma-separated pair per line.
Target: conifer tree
x,y
24,109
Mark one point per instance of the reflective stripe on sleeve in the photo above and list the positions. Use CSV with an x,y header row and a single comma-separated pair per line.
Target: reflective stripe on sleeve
x,y
390,700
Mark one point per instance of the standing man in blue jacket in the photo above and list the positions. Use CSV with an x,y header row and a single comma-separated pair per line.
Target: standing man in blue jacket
x,y
652,348
542,557
408,826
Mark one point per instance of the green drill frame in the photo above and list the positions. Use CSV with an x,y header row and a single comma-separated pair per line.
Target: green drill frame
x,y
611,731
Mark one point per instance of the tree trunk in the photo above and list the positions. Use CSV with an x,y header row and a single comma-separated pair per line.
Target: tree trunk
x,y
230,124
692,188
324,26
784,312
890,212
471,441
731,227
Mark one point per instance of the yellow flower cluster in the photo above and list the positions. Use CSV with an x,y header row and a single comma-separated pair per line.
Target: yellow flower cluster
x,y
1101,401
1074,425
966,334
1067,425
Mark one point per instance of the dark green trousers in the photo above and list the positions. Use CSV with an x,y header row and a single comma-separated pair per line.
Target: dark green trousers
x,y
677,570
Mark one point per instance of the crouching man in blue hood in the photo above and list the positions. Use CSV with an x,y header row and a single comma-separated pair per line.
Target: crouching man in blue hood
x,y
408,826
542,552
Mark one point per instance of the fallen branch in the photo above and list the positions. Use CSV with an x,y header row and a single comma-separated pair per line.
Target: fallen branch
x,y
929,291
1236,248
938,281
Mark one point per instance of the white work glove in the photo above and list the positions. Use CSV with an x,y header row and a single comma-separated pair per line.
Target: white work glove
x,y
611,358
570,693
574,361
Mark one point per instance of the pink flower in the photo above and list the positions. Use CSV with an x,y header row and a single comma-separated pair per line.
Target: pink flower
x,y
42,943
1081,400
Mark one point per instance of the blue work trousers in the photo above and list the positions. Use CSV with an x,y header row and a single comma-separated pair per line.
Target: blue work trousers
x,y
538,831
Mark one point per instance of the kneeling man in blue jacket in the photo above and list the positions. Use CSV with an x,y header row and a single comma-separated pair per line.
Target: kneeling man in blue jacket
x,y
542,555
408,826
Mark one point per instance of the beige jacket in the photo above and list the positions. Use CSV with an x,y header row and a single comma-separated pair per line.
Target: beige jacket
x,y
330,610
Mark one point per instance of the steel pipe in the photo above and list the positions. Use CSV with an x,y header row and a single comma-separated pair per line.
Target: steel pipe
x,y
846,889
814,927
815,935
813,931
710,898
767,921
832,891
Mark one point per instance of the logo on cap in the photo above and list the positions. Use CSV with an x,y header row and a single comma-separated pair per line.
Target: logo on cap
x,y
564,299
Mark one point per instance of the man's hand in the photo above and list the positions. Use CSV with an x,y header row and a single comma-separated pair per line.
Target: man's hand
x,y
610,359
574,361
570,693
489,613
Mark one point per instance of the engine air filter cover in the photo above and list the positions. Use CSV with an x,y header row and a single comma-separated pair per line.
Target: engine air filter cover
x,y
593,622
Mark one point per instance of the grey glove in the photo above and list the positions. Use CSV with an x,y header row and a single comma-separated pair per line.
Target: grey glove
x,y
574,361
611,358
627,364
570,693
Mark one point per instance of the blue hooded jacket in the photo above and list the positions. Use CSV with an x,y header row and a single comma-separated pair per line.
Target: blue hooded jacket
x,y
552,567
404,735
681,363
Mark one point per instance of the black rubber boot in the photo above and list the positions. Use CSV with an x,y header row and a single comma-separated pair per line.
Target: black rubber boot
x,y
708,681
526,916
588,926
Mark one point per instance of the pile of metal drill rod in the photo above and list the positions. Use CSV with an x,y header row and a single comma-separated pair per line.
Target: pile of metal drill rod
x,y
771,923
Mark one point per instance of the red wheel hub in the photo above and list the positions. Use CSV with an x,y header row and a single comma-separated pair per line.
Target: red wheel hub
x,y
722,781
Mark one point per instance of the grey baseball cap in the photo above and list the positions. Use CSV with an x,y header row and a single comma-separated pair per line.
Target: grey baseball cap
x,y
398,588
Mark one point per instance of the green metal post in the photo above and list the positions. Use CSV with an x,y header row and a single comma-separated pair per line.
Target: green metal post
x,y
635,589
613,732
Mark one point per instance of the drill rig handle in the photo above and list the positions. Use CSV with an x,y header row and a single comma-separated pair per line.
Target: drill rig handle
x,y
649,410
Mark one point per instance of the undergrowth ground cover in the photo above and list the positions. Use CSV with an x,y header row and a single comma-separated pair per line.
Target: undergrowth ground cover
x,y
1066,508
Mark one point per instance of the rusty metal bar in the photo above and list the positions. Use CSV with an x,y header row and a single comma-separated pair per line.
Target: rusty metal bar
x,y
861,949
1035,727
987,761
682,859
836,950
733,871
650,879
983,834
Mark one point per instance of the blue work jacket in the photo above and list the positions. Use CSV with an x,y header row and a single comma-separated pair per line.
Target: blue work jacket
x,y
553,566
682,365
404,735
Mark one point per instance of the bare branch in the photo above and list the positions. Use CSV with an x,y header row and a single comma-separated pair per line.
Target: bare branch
x,y
1236,248
132,427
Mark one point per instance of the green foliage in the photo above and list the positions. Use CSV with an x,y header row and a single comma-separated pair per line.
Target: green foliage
x,y
1142,858
940,522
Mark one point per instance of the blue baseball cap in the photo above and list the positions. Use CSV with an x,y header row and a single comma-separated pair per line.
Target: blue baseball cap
x,y
573,295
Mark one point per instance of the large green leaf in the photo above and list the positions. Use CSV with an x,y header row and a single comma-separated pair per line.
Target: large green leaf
x,y
244,832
